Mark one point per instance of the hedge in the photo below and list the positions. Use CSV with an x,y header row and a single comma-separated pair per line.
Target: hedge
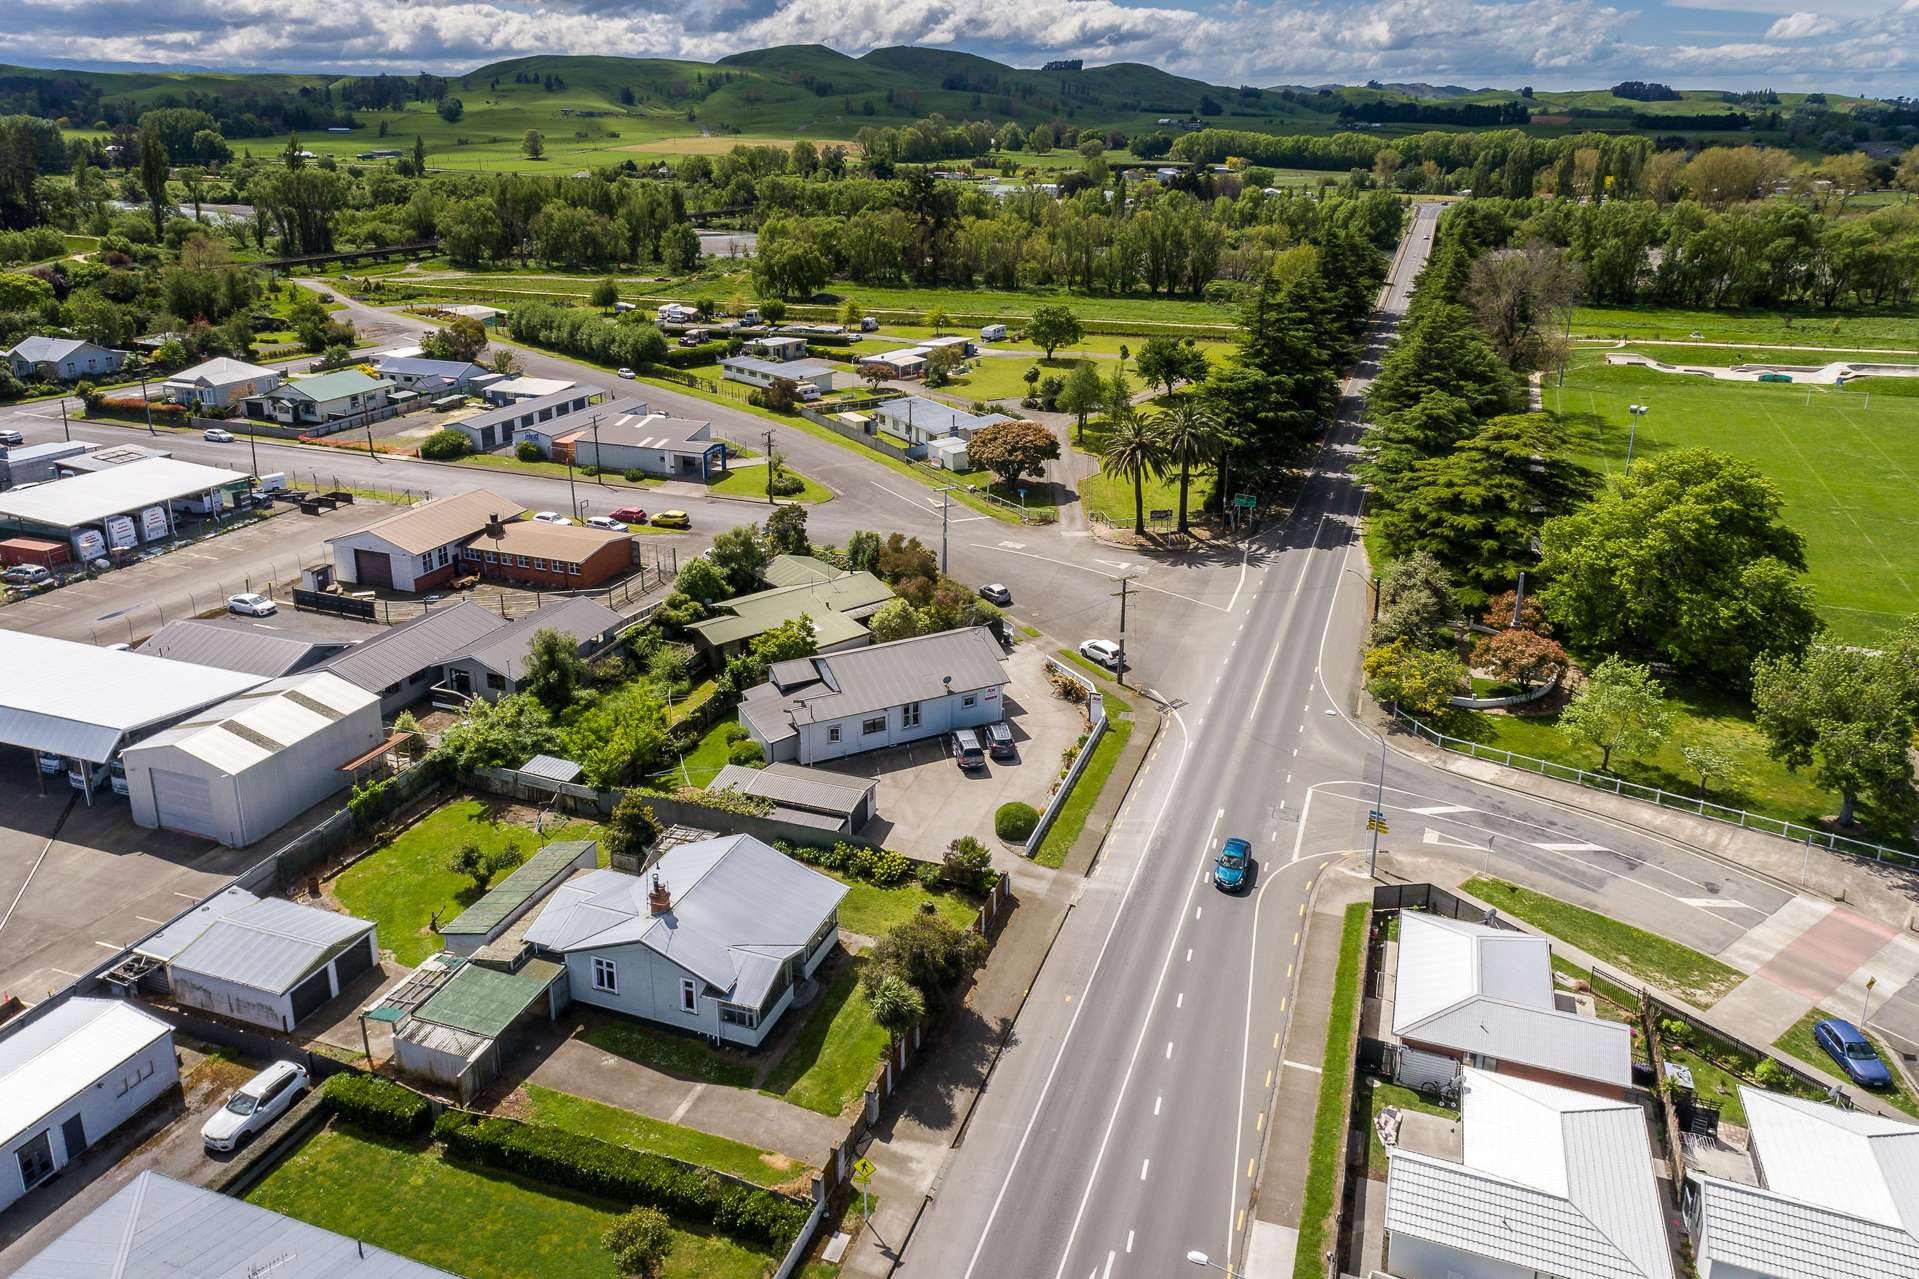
x,y
595,1167
377,1105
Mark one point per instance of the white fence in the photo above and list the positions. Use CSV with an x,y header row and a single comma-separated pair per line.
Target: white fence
x,y
1096,708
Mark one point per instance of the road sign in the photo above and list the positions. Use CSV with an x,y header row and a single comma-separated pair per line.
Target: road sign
x,y
1166,514
862,1170
1376,820
1245,501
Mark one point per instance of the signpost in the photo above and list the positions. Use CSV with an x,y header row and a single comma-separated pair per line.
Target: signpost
x,y
1243,502
863,1177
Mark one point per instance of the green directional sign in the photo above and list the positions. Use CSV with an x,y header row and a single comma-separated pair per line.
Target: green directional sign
x,y
1245,501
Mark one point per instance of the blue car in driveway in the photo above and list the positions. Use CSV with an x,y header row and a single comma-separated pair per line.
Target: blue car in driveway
x,y
1229,866
1853,1051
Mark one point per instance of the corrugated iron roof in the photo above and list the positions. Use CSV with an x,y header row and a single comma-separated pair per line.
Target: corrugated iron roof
x,y
85,499
504,650
837,685
157,1228
62,1052
257,725
793,570
236,647
566,542
798,786
551,768
528,878
484,1001
269,945
402,651
830,605
427,525
1846,1161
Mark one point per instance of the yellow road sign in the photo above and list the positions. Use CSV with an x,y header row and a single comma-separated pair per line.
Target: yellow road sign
x,y
862,1169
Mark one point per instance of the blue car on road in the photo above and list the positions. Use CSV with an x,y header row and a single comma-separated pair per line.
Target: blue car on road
x,y
1853,1051
1229,867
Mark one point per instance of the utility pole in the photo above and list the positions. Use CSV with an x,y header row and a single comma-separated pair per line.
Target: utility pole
x,y
1125,584
572,498
369,438
145,403
1638,411
1376,820
252,447
769,482
945,503
599,463
66,429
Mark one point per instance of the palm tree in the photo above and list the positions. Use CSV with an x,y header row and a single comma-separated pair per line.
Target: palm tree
x,y
1134,449
1192,438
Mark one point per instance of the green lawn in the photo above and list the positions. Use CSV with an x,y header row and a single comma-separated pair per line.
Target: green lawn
x,y
1847,468
611,483
750,481
872,911
1799,1042
1386,1093
704,762
676,1054
1003,377
1862,327
829,1063
1066,828
1111,496
481,1224
639,1132
1727,356
403,886
1330,1114
1699,979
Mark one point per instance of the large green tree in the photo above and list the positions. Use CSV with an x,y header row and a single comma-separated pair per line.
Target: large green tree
x,y
1687,557
1441,348
1011,450
1053,326
1621,707
154,168
1848,715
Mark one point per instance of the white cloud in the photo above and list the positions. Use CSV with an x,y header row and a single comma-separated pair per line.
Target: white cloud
x,y
1801,26
1475,42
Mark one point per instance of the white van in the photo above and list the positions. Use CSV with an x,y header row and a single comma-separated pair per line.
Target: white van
x,y
992,333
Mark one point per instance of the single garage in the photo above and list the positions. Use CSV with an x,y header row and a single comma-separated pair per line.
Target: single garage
x,y
261,960
239,770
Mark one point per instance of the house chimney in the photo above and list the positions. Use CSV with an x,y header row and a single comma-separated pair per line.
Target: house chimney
x,y
659,899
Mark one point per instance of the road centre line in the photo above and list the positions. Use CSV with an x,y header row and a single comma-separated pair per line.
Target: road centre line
x,y
1137,584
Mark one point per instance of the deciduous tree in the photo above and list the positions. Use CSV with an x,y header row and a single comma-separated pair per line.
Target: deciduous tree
x,y
1419,681
1520,656
1621,707
1847,715
1053,326
1011,450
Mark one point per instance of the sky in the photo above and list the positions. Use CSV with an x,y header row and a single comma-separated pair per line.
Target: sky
x,y
1860,46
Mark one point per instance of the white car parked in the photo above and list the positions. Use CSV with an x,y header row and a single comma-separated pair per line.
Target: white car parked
x,y
605,522
251,605
217,435
1105,652
627,374
550,517
259,1101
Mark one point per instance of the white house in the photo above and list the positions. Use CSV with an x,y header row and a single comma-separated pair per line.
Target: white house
x,y
427,376
417,549
712,940
1474,994
820,708
238,771
1549,1182
907,362
61,359
1832,1192
509,390
219,382
920,420
324,397
540,419
70,1076
780,348
628,438
754,371
261,960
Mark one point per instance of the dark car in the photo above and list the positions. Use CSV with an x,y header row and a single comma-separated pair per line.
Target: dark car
x,y
1853,1051
1229,865
999,741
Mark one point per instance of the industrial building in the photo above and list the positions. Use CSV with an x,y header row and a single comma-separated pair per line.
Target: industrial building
x,y
69,1076
261,960
627,438
240,770
122,507
34,463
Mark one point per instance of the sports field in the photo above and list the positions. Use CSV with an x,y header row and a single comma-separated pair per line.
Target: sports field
x,y
1846,460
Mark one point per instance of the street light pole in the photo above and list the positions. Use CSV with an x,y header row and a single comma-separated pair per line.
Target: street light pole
x,y
1637,411
945,504
1379,812
1199,1258
145,403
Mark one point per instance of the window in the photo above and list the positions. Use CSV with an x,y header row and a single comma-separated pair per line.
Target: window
x,y
489,557
689,996
606,975
522,560
36,1160
734,1015
538,562
910,715
139,1075
872,726
968,700
833,733
495,681
426,561
573,570
471,553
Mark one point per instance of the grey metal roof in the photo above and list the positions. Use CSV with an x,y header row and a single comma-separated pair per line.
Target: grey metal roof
x,y
935,418
270,944
237,647
777,368
511,413
833,686
84,499
404,650
1766,1233
626,423
739,908
43,350
421,366
552,768
157,1228
503,649
62,1052
182,932
797,786
527,880
75,699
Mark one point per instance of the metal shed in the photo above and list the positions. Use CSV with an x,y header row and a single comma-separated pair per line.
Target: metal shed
x,y
458,1036
268,962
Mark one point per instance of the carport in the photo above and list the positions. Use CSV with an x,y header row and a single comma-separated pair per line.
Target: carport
x,y
74,706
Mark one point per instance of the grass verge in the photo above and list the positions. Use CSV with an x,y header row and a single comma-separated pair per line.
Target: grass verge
x,y
640,1132
831,1059
750,481
1331,1113
1799,1042
675,1054
1066,827
1699,979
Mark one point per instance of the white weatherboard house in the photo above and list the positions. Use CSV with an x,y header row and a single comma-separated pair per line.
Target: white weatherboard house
x,y
711,940
261,960
71,1076
1837,1195
221,381
237,771
64,359
1550,1182
1470,993
819,708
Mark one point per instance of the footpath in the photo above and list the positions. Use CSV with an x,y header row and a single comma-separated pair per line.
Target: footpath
x,y
923,1121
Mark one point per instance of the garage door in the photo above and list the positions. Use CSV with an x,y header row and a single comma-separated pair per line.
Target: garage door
x,y
353,961
309,995
184,802
372,568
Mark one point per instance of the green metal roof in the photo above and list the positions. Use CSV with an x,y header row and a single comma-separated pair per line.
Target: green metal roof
x,y
826,603
484,1001
336,385
513,892
797,570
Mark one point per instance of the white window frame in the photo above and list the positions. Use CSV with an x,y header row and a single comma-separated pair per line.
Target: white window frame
x,y
910,715
867,729
606,975
833,733
689,996
968,700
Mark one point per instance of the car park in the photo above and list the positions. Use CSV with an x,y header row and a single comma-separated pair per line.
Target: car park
x,y
1847,1045
1230,864
83,775
630,514
967,751
251,604
256,1104
996,593
217,435
672,519
605,522
1104,652
999,741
